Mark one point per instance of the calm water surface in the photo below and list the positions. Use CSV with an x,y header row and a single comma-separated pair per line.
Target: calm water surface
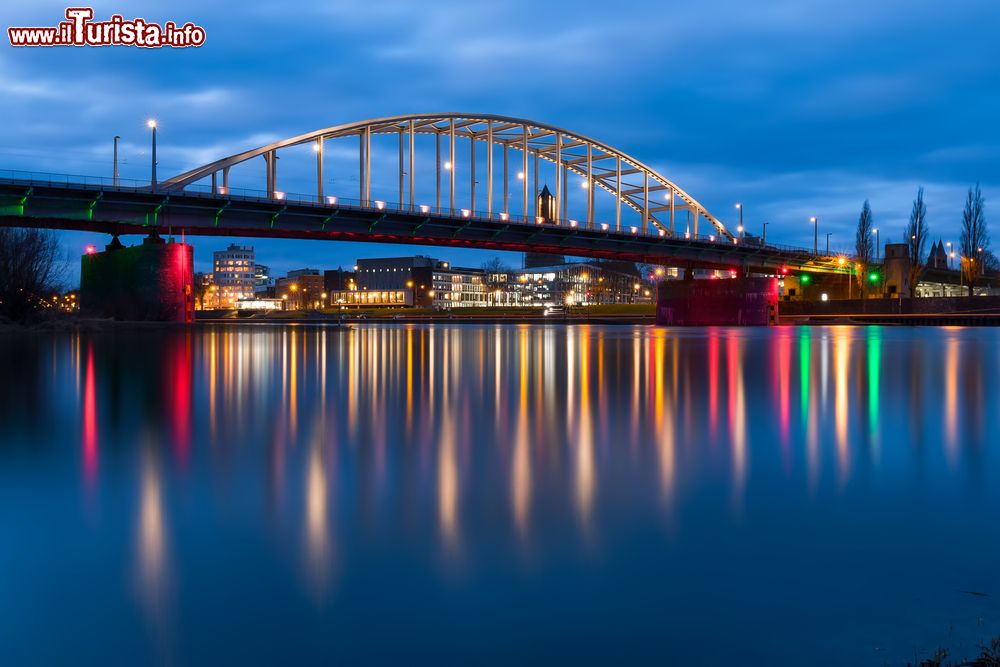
x,y
473,493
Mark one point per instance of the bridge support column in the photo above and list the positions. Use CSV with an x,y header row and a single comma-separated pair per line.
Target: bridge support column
x,y
672,197
149,282
319,170
559,192
437,171
270,158
506,181
489,168
412,162
451,172
730,302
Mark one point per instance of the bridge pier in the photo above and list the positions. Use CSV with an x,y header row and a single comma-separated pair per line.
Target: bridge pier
x,y
153,281
717,302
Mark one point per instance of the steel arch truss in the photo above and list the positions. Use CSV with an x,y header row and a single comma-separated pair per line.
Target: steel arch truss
x,y
658,200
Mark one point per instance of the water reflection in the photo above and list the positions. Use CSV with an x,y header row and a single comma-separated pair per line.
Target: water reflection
x,y
408,445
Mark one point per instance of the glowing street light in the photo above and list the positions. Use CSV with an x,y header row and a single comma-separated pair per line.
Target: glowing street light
x,y
151,124
739,207
520,175
877,244
815,222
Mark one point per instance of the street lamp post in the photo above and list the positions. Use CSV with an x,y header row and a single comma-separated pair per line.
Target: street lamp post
x,y
828,242
815,222
740,208
951,254
116,161
877,244
763,238
151,123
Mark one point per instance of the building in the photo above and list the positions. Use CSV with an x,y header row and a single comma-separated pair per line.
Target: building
x,y
233,277
938,257
396,281
338,280
418,281
262,280
299,273
577,284
456,287
302,289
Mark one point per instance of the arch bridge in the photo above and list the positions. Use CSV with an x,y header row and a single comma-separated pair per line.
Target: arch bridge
x,y
448,179
656,199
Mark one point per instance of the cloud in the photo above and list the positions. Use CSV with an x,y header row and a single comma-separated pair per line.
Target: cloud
x,y
795,108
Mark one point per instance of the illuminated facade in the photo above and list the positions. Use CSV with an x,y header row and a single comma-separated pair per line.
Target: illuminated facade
x,y
233,277
302,289
459,288
575,284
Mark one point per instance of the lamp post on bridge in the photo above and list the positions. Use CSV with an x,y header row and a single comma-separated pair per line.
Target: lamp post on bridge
x,y
877,244
763,238
115,181
739,207
815,222
151,123
828,242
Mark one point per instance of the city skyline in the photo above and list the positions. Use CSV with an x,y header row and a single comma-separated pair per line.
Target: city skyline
x,y
791,110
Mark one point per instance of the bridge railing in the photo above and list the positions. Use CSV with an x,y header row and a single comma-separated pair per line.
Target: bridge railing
x,y
328,201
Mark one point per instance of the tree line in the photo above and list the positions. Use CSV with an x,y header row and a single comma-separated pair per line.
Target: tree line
x,y
29,272
976,257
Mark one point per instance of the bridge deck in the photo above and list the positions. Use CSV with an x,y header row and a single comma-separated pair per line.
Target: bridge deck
x,y
136,210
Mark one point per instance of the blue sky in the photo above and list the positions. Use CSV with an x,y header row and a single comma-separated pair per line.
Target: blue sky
x,y
794,107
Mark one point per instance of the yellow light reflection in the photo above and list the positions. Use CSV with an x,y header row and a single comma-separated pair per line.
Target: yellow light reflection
x,y
318,542
737,416
585,471
151,538
520,477
951,362
664,422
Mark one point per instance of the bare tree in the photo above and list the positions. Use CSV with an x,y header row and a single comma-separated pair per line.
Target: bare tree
x,y
29,271
916,238
496,271
863,246
975,238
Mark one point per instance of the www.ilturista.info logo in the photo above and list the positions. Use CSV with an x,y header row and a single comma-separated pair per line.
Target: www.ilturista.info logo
x,y
80,30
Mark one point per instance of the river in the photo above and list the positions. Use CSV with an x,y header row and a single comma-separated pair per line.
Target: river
x,y
498,493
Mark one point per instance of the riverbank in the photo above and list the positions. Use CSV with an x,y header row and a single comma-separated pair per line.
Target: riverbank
x,y
927,311
606,314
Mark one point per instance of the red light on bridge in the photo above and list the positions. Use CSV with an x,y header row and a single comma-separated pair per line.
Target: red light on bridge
x,y
784,270
90,250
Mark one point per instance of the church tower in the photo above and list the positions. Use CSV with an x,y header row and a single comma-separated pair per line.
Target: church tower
x,y
545,208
